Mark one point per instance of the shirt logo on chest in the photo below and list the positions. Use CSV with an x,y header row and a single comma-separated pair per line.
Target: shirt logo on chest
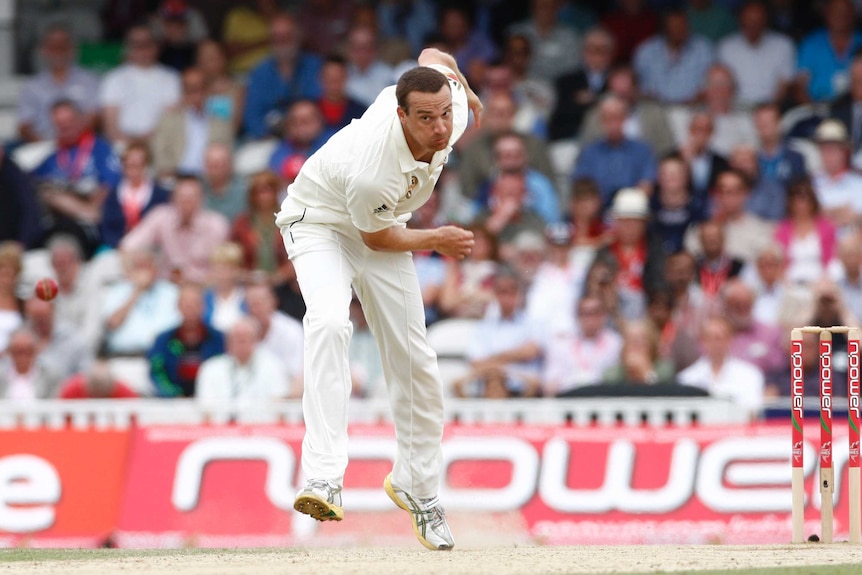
x,y
414,181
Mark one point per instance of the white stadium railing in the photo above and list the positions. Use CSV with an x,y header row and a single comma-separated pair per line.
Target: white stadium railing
x,y
121,414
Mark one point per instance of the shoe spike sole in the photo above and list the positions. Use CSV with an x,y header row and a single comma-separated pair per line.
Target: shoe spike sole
x,y
317,509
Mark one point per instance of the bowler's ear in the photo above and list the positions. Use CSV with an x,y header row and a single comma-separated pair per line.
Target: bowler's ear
x,y
402,115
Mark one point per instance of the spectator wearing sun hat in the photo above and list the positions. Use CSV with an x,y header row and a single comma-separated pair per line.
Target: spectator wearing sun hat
x,y
637,255
839,189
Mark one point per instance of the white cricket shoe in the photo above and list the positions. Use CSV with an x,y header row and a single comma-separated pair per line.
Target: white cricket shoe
x,y
321,499
428,516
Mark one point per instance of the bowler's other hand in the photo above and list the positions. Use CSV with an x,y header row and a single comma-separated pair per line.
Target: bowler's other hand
x,y
454,242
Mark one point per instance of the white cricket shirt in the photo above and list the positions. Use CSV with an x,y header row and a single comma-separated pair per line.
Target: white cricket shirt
x,y
365,176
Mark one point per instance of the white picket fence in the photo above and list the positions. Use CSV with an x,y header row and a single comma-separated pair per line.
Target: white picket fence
x,y
120,414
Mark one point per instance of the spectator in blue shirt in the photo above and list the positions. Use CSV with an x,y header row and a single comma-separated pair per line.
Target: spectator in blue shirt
x,y
777,162
75,179
672,66
510,157
824,55
615,161
287,75
304,133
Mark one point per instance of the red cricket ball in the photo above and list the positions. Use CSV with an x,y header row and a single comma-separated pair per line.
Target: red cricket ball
x,y
46,289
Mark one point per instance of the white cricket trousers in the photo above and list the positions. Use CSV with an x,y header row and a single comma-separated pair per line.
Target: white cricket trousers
x,y
327,263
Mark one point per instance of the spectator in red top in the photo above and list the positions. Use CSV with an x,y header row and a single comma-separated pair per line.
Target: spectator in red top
x,y
97,383
585,214
131,199
631,23
715,267
337,107
262,246
638,256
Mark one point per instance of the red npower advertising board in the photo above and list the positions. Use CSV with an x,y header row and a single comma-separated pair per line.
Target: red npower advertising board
x,y
209,486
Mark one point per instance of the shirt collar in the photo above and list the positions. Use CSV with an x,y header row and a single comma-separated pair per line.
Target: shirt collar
x,y
405,157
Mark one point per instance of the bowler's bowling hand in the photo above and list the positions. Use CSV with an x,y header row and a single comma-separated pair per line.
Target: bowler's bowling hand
x,y
476,106
454,242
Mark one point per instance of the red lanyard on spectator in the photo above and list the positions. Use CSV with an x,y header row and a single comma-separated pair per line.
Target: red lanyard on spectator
x,y
632,264
132,203
85,149
711,281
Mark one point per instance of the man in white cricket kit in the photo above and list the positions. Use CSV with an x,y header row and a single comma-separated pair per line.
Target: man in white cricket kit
x,y
344,224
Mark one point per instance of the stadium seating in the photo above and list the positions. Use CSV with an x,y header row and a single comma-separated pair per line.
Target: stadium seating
x,y
253,157
450,338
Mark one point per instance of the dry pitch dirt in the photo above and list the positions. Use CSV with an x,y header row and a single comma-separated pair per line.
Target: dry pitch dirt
x,y
475,561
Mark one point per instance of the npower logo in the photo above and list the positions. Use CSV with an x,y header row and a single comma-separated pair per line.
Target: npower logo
x,y
730,475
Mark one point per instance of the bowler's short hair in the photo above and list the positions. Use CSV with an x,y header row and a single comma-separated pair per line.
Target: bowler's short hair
x,y
422,79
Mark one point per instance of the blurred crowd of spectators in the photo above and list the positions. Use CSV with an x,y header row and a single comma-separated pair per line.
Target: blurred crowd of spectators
x,y
659,190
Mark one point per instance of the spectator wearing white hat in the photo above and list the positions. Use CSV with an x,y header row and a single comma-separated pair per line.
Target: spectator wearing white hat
x,y
638,256
838,188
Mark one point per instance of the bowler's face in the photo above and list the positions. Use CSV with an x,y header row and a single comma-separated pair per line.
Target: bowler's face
x,y
428,124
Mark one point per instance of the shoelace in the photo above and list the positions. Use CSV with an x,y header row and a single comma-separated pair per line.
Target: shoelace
x,y
433,512
324,485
